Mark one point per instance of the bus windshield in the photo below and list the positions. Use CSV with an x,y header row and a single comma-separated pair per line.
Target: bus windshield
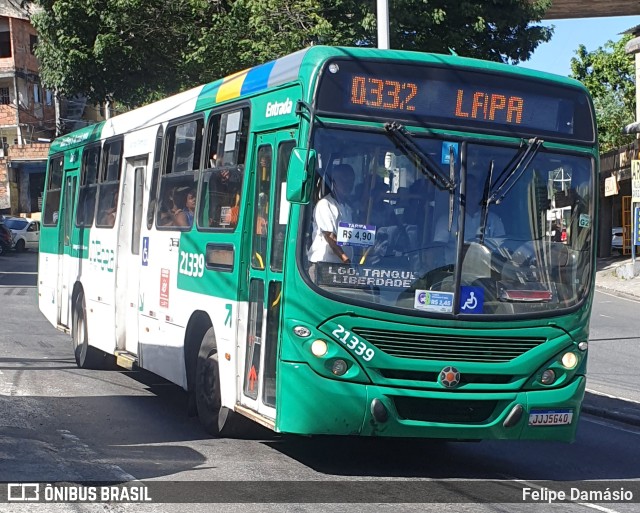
x,y
511,237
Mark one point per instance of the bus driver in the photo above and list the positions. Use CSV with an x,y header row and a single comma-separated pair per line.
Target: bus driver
x,y
328,213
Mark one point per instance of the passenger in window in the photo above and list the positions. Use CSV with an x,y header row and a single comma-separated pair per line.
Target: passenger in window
x,y
263,214
168,209
108,218
225,198
184,216
330,211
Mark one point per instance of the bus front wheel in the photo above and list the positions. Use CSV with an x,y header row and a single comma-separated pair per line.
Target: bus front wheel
x,y
87,357
216,419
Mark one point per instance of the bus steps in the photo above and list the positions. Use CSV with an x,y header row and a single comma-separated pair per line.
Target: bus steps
x,y
126,359
64,329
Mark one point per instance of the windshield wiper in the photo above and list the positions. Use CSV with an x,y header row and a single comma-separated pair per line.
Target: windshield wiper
x,y
427,166
517,165
485,202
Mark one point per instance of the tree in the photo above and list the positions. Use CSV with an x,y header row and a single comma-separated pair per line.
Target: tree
x,y
262,30
608,73
124,50
134,51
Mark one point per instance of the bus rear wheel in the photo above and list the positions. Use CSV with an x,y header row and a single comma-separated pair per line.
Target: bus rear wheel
x,y
87,357
216,419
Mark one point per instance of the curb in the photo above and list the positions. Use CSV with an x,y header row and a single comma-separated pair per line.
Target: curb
x,y
612,408
618,292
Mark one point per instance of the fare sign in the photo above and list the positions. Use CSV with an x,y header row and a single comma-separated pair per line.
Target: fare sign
x,y
351,234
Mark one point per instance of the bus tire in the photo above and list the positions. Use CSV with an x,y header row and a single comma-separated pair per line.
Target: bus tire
x,y
87,357
216,419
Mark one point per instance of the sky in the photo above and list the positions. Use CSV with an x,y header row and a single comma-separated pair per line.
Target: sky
x,y
555,56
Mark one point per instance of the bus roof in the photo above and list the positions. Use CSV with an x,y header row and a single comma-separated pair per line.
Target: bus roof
x,y
288,69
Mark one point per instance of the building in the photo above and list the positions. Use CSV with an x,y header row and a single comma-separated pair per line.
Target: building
x,y
27,114
616,195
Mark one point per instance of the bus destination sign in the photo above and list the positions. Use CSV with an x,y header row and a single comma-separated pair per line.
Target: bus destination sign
x,y
428,95
393,95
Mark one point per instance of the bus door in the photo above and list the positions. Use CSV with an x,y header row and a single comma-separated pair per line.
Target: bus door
x,y
129,255
67,266
268,231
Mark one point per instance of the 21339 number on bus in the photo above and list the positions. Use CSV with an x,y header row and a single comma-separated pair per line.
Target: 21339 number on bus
x,y
550,417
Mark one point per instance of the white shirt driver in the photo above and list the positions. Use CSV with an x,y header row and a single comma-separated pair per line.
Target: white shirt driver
x,y
326,217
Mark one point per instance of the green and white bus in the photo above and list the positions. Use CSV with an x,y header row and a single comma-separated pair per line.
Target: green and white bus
x,y
179,237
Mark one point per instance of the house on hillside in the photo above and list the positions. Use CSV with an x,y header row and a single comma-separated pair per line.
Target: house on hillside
x,y
27,113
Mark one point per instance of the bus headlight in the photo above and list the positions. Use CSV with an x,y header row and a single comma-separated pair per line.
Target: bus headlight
x,y
319,348
583,346
569,360
548,377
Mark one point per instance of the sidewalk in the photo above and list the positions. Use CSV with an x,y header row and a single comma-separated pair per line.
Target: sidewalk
x,y
619,275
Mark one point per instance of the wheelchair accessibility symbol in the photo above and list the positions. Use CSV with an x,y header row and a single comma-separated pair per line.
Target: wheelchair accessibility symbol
x,y
471,299
145,251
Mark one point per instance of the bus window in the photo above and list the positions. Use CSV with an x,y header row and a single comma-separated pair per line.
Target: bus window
x,y
153,191
109,184
261,203
222,181
281,206
179,183
88,186
52,201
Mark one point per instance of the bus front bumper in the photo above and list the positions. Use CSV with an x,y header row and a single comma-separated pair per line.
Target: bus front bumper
x,y
309,404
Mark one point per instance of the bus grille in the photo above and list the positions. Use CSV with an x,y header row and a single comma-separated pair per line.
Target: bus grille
x,y
444,410
429,346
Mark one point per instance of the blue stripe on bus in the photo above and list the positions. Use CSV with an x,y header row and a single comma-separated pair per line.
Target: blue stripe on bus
x,y
254,80
257,79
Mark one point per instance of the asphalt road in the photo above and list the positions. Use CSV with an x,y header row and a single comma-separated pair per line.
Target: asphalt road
x,y
614,346
60,423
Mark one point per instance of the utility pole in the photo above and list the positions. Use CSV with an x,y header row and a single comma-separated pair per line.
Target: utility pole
x,y
56,109
383,24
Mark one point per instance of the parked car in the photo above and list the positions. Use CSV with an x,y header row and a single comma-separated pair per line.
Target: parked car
x,y
6,238
26,232
617,239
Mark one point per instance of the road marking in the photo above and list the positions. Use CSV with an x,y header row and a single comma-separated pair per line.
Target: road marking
x,y
18,272
612,396
618,297
90,455
607,316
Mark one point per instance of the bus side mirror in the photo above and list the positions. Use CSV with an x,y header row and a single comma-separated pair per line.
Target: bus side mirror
x,y
302,165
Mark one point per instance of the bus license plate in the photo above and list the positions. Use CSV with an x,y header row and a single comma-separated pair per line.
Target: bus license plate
x,y
550,417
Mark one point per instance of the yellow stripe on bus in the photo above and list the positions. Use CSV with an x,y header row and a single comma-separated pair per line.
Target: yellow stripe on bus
x,y
231,86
